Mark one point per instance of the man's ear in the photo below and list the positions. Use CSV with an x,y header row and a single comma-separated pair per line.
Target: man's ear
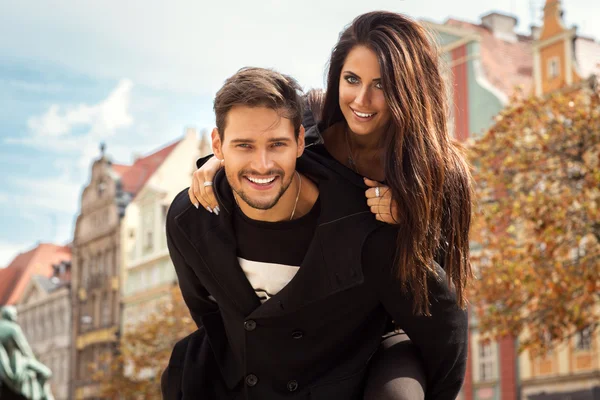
x,y
300,141
217,145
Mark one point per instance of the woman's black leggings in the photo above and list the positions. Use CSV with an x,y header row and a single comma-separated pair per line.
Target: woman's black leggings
x,y
396,371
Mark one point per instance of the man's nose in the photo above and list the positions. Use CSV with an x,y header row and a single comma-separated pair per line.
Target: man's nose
x,y
262,161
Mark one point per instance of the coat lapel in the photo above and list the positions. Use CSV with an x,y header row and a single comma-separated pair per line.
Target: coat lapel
x,y
214,241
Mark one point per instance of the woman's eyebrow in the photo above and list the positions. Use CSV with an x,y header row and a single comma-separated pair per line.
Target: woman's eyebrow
x,y
356,76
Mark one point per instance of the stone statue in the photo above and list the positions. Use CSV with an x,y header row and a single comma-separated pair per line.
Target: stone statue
x,y
22,376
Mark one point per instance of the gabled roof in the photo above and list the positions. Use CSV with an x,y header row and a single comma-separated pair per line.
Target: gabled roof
x,y
37,261
41,284
505,64
133,177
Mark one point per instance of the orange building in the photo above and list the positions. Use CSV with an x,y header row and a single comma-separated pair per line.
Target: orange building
x,y
37,261
561,58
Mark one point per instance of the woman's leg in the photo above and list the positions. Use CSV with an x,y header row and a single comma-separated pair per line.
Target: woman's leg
x,y
395,371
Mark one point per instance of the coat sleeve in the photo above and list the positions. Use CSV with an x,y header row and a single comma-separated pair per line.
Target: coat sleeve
x,y
195,295
441,338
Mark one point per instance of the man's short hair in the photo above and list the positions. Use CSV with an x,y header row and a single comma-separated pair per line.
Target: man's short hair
x,y
260,87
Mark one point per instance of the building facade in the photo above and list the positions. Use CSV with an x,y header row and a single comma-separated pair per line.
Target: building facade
x,y
562,58
95,274
484,64
148,274
44,314
97,263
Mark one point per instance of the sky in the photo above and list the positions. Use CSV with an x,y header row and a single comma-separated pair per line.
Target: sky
x,y
135,74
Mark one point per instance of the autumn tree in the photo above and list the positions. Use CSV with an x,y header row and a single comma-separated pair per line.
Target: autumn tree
x,y
537,232
143,353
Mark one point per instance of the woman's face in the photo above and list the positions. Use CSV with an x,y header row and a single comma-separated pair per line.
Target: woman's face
x,y
361,93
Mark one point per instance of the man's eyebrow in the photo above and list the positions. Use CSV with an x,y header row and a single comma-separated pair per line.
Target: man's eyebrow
x,y
356,76
280,139
242,141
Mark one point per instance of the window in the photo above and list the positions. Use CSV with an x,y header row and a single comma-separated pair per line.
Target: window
x,y
101,188
155,275
106,310
83,266
553,67
486,360
583,340
147,228
101,269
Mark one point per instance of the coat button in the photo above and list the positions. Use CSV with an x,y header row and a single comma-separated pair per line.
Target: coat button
x,y
251,380
250,325
297,334
292,385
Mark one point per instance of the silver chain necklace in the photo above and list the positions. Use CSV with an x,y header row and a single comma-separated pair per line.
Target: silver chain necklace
x,y
297,195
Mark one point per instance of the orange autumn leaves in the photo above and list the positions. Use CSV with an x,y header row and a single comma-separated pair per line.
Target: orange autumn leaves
x,y
144,352
537,225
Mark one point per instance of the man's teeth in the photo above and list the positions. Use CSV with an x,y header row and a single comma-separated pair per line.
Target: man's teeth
x,y
261,181
363,115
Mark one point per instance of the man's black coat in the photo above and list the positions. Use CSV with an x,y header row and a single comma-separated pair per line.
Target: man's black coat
x,y
314,338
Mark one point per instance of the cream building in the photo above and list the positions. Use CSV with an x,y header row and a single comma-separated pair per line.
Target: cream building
x,y
570,371
147,272
44,313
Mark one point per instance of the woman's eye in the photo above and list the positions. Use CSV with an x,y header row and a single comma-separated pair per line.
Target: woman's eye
x,y
351,79
379,86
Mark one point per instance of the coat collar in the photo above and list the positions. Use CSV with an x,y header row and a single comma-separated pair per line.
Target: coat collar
x,y
332,263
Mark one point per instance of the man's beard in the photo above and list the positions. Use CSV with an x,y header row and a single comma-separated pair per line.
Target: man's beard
x,y
257,204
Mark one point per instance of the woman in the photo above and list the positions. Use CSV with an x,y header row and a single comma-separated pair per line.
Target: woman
x,y
384,118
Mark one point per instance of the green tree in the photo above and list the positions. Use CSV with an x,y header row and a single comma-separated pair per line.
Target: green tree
x,y
537,172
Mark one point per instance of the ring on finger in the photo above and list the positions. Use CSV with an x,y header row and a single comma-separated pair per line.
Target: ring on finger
x,y
207,183
377,191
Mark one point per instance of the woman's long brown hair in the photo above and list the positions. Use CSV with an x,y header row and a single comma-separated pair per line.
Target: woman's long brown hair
x,y
426,170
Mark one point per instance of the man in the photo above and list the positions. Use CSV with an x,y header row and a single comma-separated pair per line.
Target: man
x,y
290,285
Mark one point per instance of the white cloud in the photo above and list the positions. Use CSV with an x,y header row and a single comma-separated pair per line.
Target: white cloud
x,y
71,134
102,119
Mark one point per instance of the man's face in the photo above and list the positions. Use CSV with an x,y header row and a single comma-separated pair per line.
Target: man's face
x,y
259,152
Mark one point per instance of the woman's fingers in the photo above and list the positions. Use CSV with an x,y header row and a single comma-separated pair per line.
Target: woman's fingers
x,y
379,199
372,183
201,192
384,193
209,195
198,190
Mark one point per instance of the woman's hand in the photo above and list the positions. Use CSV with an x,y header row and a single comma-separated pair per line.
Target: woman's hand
x,y
383,206
201,194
